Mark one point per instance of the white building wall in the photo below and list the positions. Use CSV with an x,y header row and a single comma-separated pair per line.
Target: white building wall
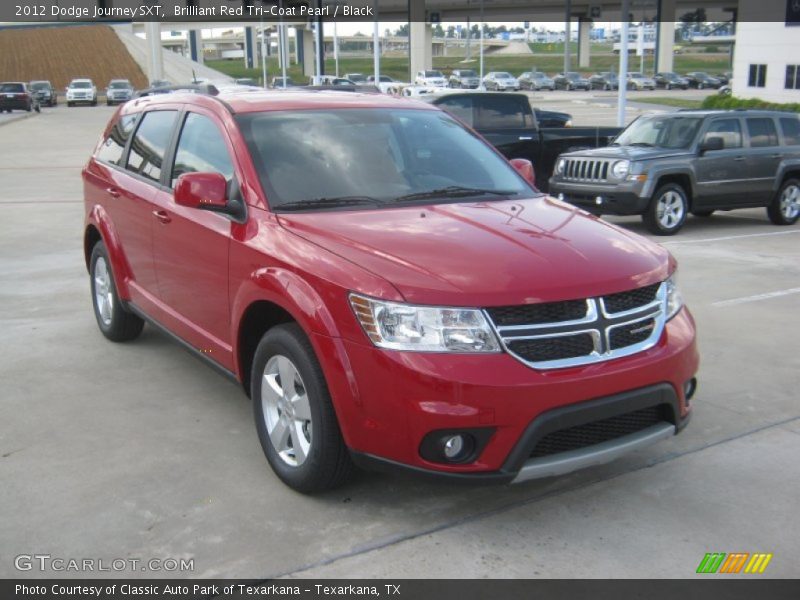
x,y
770,43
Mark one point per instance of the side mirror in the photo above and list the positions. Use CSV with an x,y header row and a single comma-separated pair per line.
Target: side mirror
x,y
206,191
711,143
525,168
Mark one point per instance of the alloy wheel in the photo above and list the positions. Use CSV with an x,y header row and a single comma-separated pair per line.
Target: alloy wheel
x,y
670,209
790,202
286,410
104,297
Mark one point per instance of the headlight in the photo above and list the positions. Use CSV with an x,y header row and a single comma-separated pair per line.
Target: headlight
x,y
674,298
620,168
560,164
398,326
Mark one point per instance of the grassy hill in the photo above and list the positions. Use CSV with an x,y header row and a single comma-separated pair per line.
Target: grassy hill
x,y
63,53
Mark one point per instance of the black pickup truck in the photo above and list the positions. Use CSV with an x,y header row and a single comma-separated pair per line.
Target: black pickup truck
x,y
507,121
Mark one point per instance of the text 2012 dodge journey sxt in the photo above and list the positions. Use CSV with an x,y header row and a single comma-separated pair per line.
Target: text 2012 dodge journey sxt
x,y
388,289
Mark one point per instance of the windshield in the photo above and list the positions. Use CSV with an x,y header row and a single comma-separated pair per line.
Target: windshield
x,y
468,73
433,74
573,76
662,132
609,76
80,85
12,88
40,85
701,75
119,85
503,75
636,75
538,75
378,154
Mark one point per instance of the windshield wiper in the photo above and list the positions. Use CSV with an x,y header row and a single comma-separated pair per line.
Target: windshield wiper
x,y
334,202
453,191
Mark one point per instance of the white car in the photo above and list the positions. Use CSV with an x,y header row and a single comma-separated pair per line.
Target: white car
x,y
639,81
431,78
81,91
500,81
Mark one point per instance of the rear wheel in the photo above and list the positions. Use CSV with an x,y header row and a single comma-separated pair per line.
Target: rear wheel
x,y
668,86
116,323
785,207
667,210
294,415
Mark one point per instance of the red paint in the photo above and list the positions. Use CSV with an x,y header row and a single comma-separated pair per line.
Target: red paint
x,y
197,272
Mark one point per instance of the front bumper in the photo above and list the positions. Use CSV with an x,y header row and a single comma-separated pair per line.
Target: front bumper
x,y
388,402
620,199
76,99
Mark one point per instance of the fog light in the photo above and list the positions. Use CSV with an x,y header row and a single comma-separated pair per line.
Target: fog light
x,y
453,446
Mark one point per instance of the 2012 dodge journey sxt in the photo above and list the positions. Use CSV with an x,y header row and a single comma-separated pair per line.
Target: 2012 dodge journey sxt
x,y
389,290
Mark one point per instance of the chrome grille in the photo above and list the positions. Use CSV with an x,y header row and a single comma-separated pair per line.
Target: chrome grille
x,y
586,169
578,332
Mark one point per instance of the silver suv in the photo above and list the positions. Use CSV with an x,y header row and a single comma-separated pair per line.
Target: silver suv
x,y
666,166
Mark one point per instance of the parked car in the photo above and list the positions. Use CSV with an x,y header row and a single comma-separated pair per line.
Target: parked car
x,y
432,311
500,81
701,80
385,83
669,80
464,79
552,118
356,78
15,95
118,91
44,92
535,80
666,166
332,80
507,121
248,81
431,78
81,91
278,82
570,81
604,81
640,81
724,77
160,83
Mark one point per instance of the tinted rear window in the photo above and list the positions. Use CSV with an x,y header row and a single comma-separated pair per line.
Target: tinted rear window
x,y
146,156
791,131
12,88
502,112
114,145
762,132
459,106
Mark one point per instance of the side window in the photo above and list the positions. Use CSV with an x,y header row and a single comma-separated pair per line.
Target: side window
x,y
150,143
114,145
728,129
762,132
500,112
791,131
459,106
201,149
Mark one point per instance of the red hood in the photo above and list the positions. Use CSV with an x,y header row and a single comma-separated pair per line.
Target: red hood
x,y
490,253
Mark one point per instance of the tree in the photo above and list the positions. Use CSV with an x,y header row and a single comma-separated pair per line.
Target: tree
x,y
438,31
402,31
451,31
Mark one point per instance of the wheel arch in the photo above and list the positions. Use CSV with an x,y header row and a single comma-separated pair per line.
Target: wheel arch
x,y
790,170
100,228
683,179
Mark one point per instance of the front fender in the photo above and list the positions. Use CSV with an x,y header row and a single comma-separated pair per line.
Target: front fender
x,y
787,166
656,173
120,266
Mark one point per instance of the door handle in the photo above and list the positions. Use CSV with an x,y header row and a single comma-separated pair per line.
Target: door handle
x,y
113,192
739,158
162,216
525,137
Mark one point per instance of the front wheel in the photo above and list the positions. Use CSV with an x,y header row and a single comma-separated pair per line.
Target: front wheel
x,y
785,207
294,415
116,323
667,210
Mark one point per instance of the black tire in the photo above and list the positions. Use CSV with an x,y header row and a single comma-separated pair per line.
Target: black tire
x,y
702,213
668,86
70,104
119,325
29,108
327,464
700,86
669,198
38,108
94,102
785,206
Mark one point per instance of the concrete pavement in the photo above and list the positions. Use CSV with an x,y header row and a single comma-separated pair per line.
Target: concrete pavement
x,y
140,451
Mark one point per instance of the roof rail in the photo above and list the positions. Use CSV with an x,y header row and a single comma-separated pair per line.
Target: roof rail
x,y
364,89
208,89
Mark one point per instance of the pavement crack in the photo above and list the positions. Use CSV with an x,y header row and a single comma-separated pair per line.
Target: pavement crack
x,y
485,514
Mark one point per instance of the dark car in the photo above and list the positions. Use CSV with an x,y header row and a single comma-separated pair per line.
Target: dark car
x,y
45,92
570,81
669,80
667,166
701,80
15,95
118,91
552,118
724,78
464,79
278,82
604,81
535,80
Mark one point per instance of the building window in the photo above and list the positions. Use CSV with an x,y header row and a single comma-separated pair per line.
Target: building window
x,y
758,76
792,77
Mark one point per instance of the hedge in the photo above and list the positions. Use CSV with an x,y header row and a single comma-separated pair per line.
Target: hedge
x,y
730,102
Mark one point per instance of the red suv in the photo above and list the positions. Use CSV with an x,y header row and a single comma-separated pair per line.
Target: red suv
x,y
389,290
